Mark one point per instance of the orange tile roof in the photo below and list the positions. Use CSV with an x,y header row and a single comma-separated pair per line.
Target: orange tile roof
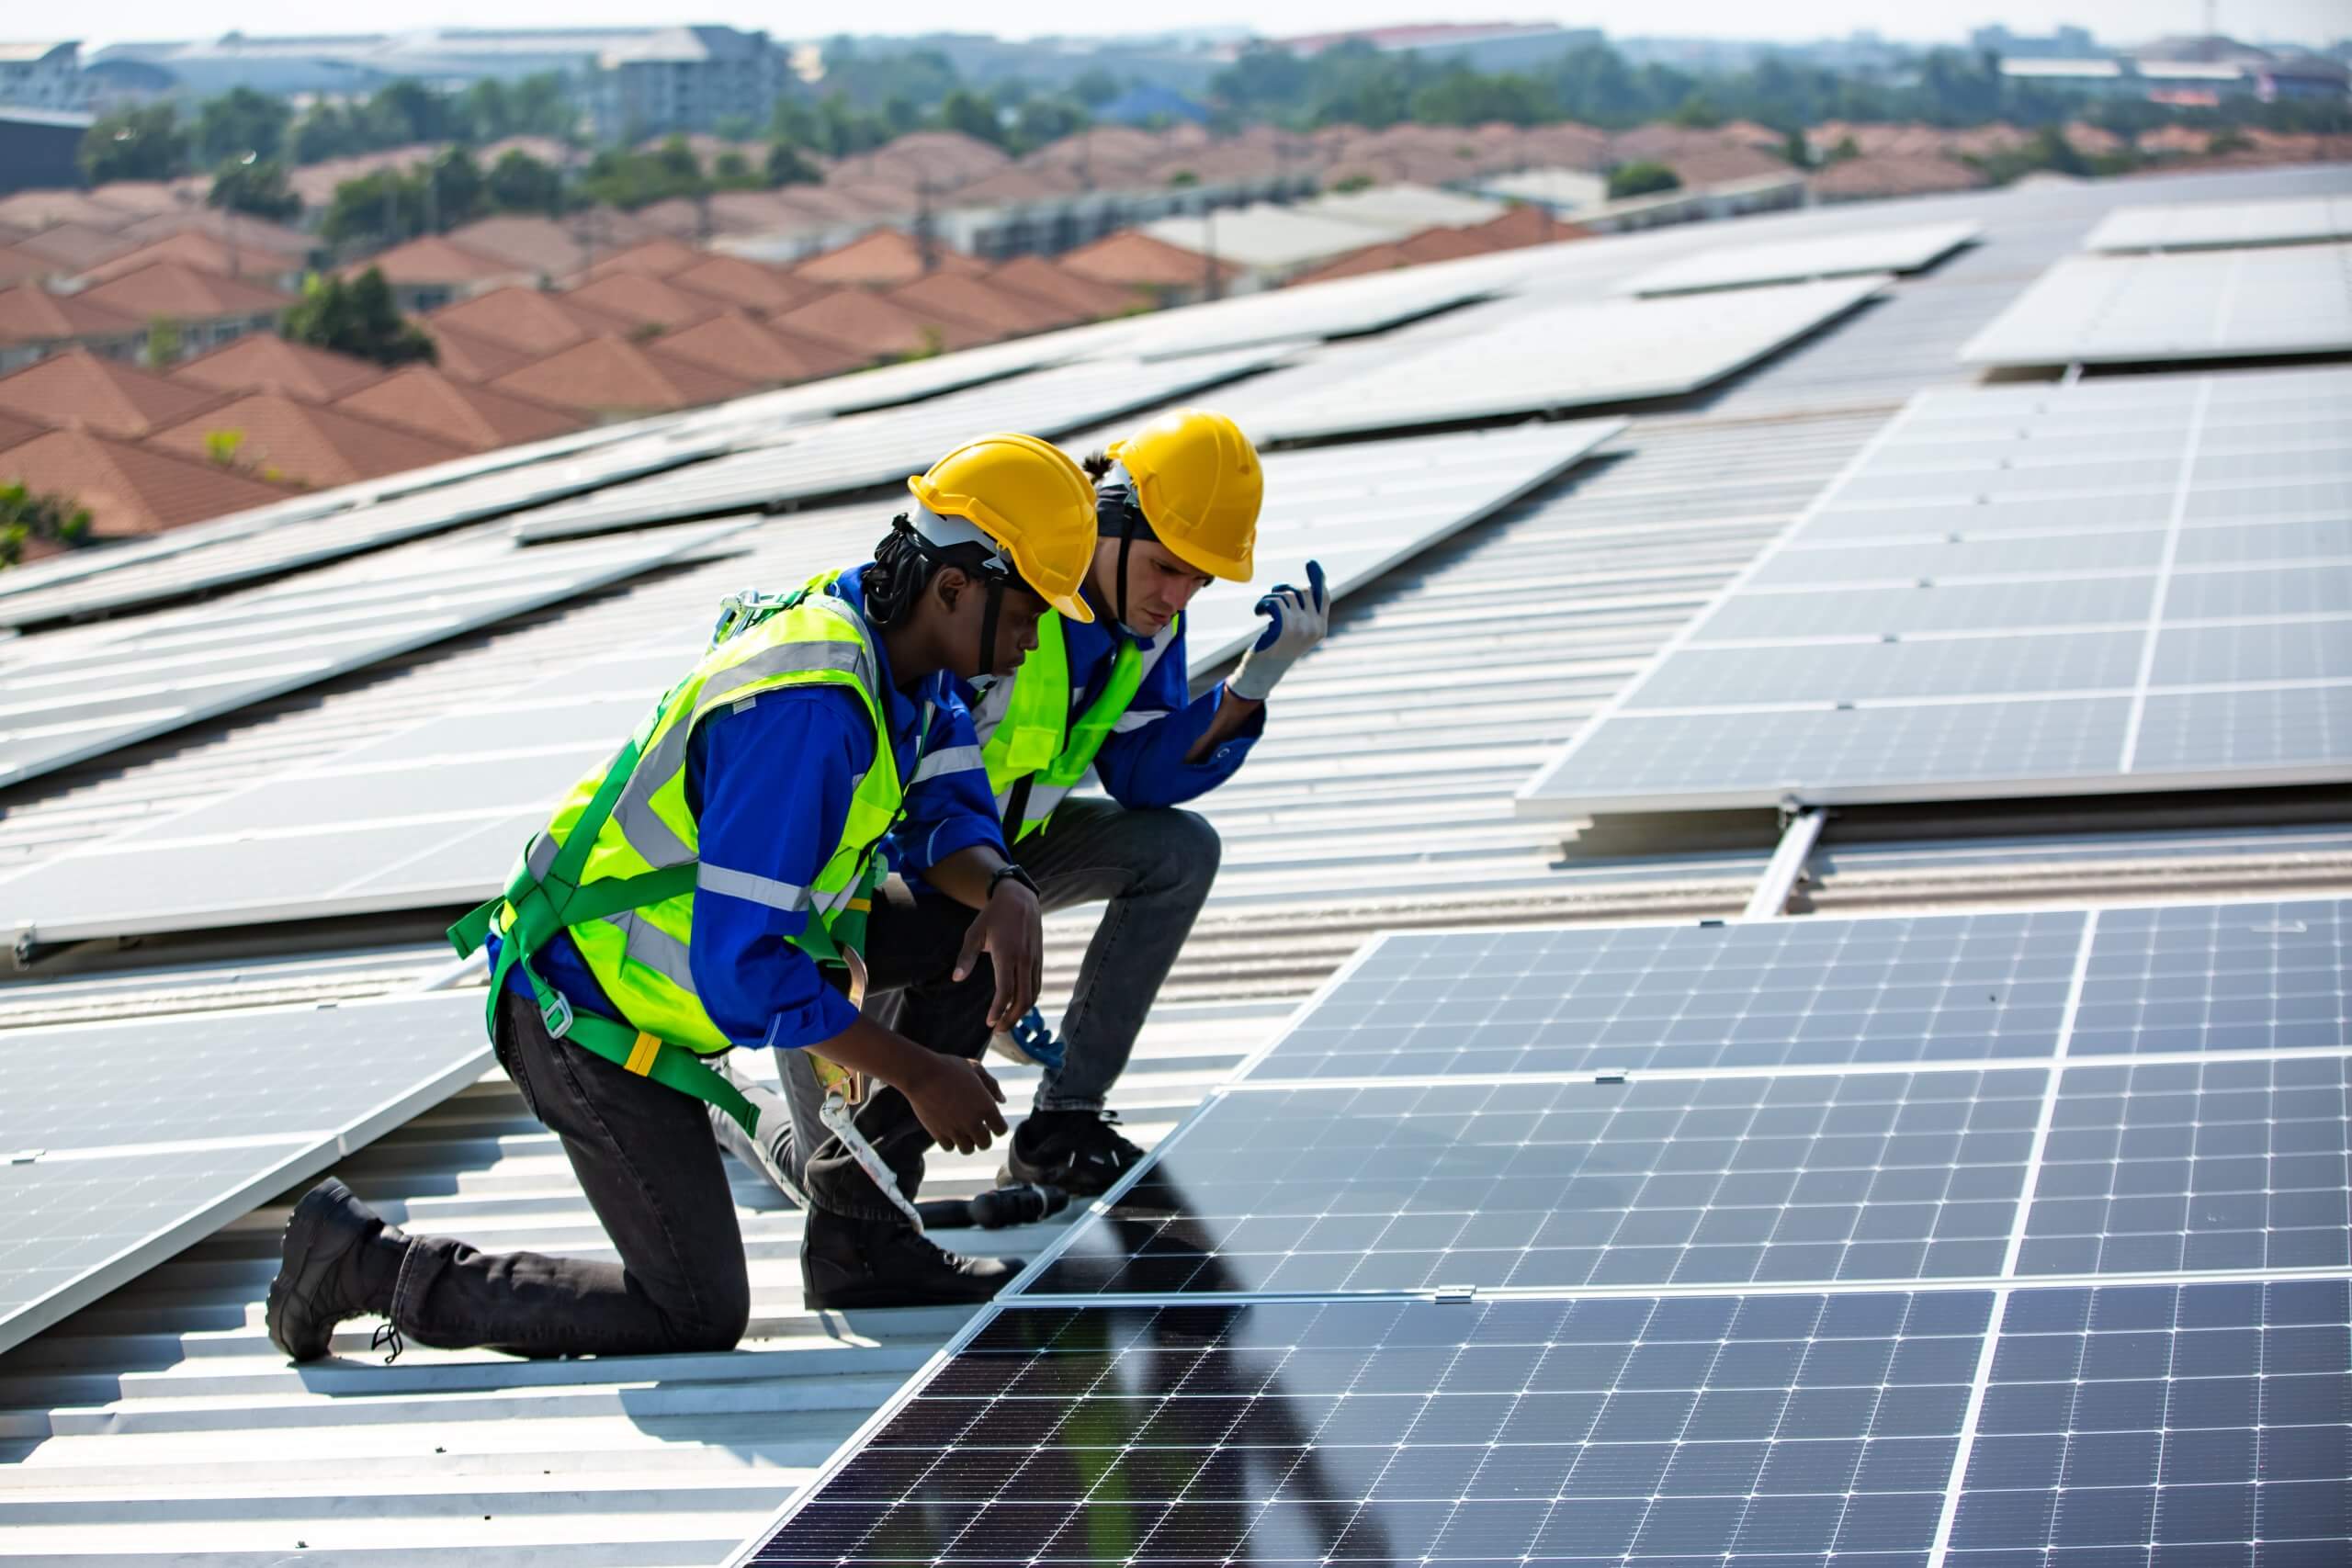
x,y
129,487
882,259
193,248
420,398
79,388
1383,256
1887,175
32,314
979,304
657,257
433,259
641,301
263,362
307,442
737,281
15,431
19,265
43,208
1524,225
169,289
860,321
76,247
143,198
529,319
1135,258
610,376
470,356
1039,279
676,216
741,345
237,229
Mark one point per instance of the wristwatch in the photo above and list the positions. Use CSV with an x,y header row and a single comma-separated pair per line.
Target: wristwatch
x,y
1009,872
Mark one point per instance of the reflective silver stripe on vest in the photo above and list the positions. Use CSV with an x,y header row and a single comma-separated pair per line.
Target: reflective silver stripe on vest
x,y
540,856
654,841
656,949
762,890
828,905
1043,798
947,760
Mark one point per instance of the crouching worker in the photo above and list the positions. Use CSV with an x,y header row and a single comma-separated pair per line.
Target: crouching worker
x,y
716,885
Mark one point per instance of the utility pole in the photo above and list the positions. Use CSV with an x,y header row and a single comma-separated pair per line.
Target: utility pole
x,y
1210,288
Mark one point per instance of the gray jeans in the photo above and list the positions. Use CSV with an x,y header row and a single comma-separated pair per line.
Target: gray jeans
x,y
1154,867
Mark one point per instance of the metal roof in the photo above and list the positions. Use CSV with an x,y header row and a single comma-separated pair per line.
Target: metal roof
x,y
156,1423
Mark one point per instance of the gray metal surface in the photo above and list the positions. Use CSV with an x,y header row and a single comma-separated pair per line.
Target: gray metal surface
x,y
66,699
2131,584
2222,225
1347,306
1903,250
837,458
124,1142
2197,305
1566,356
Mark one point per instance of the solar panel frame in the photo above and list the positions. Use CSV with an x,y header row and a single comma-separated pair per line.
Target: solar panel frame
x,y
2218,225
1911,248
2099,309
185,1187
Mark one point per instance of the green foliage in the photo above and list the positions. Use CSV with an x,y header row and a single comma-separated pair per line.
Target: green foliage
x,y
965,111
2229,140
1094,88
1463,96
630,180
26,517
257,186
392,205
732,170
520,183
2047,151
1183,179
146,143
785,166
1641,179
240,121
163,342
221,447
1352,183
1042,120
404,113
358,317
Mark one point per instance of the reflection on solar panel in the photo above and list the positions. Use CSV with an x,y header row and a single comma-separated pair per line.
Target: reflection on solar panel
x,y
292,543
888,385
2221,305
2213,225
1838,255
2122,584
1524,1318
69,697
127,1142
1347,306
433,815
1575,355
837,458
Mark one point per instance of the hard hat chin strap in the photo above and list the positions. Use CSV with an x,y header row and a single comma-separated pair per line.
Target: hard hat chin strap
x,y
1116,492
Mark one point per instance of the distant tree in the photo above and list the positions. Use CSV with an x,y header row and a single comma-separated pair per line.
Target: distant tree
x,y
1042,120
1697,112
240,121
1797,150
520,183
1094,88
358,317
965,111
1183,179
26,517
1463,96
632,179
386,207
257,185
785,166
1352,183
147,143
2229,139
1641,179
733,127
456,188
731,171
163,342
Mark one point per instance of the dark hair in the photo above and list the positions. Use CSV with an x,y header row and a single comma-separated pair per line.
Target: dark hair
x,y
1096,464
898,575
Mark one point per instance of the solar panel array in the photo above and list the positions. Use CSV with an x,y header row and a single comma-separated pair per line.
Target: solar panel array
x,y
122,1143
2199,304
2218,225
1906,249
2136,583
859,452
74,695
1347,306
1569,357
433,815
1974,1238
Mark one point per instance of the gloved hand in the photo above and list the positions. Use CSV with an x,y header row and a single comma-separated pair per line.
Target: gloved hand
x,y
1300,616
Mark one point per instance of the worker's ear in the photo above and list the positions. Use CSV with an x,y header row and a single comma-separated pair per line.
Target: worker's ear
x,y
948,582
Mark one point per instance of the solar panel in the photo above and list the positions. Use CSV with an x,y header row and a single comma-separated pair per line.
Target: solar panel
x,y
2206,225
433,815
123,1142
71,696
2218,305
2141,584
1348,307
1906,249
1569,356
837,458
302,540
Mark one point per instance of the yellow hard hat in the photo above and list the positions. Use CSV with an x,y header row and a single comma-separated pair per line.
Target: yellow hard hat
x,y
1032,499
1198,482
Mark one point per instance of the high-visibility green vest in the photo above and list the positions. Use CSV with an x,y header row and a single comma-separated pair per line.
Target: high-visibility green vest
x,y
618,866
1026,731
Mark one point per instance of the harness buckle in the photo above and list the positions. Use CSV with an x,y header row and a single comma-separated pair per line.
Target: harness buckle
x,y
556,1013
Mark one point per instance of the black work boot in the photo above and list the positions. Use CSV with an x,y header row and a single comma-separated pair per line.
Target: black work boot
x,y
1082,1151
888,1263
339,1260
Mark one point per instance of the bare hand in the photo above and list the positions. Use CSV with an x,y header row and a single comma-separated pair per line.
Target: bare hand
x,y
1008,931
956,1103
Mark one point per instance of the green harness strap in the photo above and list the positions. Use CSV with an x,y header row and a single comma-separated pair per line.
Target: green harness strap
x,y
544,906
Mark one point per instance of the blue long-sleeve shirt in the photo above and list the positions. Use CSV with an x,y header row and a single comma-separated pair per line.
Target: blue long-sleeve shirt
x,y
1142,761
770,783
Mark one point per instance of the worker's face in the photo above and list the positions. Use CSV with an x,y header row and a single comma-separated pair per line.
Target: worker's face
x,y
965,601
1158,585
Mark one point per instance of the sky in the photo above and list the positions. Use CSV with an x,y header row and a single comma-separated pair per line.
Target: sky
x,y
2123,21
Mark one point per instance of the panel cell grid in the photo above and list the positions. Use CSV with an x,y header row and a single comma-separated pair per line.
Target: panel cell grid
x,y
1865,1175
2203,977
2215,305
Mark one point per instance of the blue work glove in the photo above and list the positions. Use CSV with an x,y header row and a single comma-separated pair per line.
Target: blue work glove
x,y
1297,618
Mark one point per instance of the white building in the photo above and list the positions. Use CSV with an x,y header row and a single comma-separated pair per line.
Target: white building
x,y
41,75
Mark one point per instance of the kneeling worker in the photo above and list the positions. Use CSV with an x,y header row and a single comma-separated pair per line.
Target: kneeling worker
x,y
682,902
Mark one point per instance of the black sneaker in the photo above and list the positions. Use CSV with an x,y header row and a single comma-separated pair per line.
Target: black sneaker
x,y
1082,1151
888,1263
330,1270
